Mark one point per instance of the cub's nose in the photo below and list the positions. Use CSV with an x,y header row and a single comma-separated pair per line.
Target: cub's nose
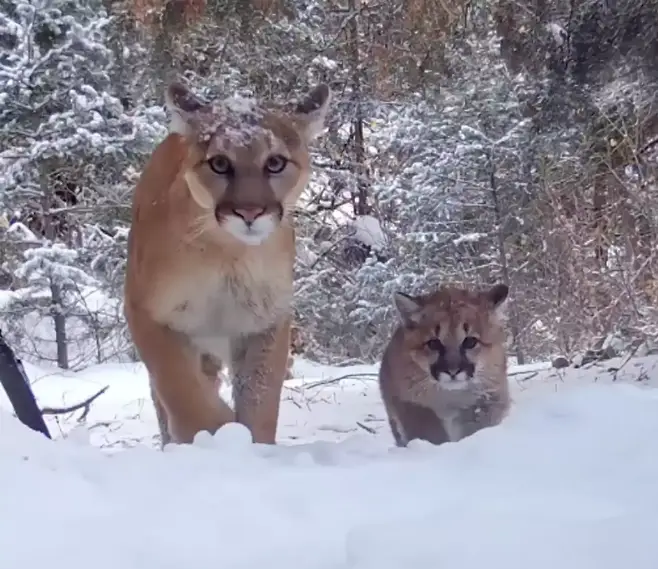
x,y
451,364
249,214
452,368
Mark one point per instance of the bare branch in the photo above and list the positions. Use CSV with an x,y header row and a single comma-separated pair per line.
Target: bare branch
x,y
86,404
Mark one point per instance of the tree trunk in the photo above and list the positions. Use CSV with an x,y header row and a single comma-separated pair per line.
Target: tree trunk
x,y
502,255
361,198
59,321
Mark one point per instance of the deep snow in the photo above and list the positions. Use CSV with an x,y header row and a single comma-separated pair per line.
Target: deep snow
x,y
569,480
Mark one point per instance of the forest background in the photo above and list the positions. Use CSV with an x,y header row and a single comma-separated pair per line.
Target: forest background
x,y
470,141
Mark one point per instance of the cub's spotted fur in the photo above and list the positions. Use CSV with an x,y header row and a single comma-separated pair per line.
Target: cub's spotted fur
x,y
444,372
210,258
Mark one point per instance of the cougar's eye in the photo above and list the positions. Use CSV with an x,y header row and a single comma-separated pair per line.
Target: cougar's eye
x,y
220,165
276,164
469,343
434,344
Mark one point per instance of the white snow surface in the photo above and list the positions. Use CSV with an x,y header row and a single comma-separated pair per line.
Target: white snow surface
x,y
568,480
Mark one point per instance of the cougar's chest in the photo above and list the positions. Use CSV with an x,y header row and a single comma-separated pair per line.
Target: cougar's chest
x,y
227,302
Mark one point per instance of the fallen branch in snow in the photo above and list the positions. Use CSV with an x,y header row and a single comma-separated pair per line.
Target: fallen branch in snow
x,y
532,374
521,372
615,370
99,424
366,428
333,380
86,404
338,379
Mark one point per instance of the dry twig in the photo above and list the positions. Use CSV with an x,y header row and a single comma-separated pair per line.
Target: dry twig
x,y
86,404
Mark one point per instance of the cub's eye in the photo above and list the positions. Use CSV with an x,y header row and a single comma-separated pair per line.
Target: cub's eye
x,y
220,165
276,164
434,344
469,342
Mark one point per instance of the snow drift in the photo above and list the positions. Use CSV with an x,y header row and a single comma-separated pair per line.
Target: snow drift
x,y
569,480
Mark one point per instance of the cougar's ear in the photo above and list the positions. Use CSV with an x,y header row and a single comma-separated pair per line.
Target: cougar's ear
x,y
185,107
497,297
408,307
311,111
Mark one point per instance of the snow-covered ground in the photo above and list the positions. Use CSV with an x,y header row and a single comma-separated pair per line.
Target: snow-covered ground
x,y
569,480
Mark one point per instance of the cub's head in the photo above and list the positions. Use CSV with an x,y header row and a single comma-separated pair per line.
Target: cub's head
x,y
247,161
452,333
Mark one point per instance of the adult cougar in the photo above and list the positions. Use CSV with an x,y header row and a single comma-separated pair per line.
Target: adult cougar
x,y
443,374
210,258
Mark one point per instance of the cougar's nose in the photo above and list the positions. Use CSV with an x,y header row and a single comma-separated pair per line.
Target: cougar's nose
x,y
249,214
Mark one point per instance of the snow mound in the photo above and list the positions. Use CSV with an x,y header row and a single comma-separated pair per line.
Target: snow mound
x,y
569,480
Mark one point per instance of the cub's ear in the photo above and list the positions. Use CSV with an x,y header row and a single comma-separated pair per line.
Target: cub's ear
x,y
311,112
185,107
497,297
409,308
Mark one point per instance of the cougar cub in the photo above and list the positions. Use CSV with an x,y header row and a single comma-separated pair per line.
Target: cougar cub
x,y
443,374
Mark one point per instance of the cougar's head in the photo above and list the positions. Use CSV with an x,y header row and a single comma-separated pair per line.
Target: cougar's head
x,y
453,333
248,161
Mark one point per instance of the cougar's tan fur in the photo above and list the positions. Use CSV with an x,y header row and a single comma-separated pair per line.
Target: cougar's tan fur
x,y
443,374
210,258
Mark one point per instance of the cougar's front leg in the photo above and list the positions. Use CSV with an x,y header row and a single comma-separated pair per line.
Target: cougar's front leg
x,y
185,401
259,364
161,416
